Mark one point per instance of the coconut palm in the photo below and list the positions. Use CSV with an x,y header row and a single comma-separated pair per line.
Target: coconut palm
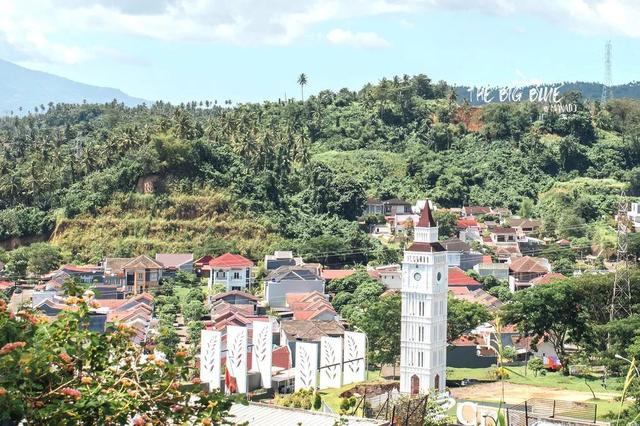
x,y
302,81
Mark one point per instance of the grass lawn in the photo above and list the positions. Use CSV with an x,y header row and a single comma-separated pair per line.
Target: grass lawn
x,y
551,379
181,292
332,396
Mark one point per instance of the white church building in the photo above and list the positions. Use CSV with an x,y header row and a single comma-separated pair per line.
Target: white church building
x,y
424,310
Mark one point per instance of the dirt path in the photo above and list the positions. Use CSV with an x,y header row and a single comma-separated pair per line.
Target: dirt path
x,y
515,393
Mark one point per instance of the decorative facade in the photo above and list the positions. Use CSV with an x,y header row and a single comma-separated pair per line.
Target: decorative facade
x,y
424,310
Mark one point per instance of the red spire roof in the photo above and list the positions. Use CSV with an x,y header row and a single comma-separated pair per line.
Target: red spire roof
x,y
426,218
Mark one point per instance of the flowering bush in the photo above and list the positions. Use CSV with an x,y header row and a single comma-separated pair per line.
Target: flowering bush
x,y
62,373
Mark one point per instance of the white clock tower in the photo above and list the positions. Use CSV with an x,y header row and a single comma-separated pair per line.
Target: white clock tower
x,y
424,310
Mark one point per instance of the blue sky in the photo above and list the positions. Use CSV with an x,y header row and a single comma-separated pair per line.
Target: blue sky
x,y
251,50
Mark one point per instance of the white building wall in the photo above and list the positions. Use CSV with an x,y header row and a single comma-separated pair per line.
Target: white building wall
x,y
424,318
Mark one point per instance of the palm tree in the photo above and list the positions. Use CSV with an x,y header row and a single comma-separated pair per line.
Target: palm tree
x,y
302,80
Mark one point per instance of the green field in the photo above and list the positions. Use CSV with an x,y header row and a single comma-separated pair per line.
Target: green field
x,y
551,379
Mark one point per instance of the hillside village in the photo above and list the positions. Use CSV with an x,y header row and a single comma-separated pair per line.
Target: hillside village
x,y
168,298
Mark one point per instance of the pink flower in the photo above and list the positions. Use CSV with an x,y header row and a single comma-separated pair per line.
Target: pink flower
x,y
74,393
11,346
176,407
65,357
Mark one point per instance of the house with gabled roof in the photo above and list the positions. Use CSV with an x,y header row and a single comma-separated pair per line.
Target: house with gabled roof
x,y
281,258
459,254
174,262
232,270
290,280
475,211
142,274
524,270
458,278
310,306
548,278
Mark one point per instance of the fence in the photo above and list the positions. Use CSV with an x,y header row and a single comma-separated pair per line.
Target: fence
x,y
533,410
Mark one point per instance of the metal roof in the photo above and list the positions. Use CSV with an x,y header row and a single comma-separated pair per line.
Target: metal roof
x,y
264,415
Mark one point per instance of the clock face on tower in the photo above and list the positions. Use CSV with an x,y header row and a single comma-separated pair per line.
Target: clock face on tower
x,y
417,276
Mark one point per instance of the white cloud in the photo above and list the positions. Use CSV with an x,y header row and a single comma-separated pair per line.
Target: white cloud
x,y
35,29
366,39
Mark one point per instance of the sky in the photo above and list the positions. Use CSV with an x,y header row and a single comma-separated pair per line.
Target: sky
x,y
254,50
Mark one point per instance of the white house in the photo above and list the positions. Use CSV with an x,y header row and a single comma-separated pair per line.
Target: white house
x,y
423,335
232,270
634,215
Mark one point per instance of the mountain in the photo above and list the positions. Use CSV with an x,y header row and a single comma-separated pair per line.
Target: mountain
x,y
22,87
589,91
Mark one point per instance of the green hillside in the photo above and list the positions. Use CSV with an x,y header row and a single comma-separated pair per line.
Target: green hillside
x,y
256,177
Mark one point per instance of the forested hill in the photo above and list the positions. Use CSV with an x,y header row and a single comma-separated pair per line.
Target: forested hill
x,y
589,91
23,90
295,175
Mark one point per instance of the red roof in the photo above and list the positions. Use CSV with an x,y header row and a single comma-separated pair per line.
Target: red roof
x,y
466,223
457,277
459,291
5,285
204,260
229,260
336,274
548,278
487,260
426,247
426,218
527,264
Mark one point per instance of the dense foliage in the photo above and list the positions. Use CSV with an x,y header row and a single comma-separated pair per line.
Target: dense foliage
x,y
294,175
63,373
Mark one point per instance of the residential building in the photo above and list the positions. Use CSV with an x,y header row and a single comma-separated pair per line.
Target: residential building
x,y
132,275
475,211
291,279
634,215
502,236
310,306
199,263
235,297
469,230
374,207
525,227
174,262
395,206
505,253
548,278
307,331
231,270
458,278
89,274
423,334
389,275
281,258
142,274
335,274
497,270
477,296
459,254
524,270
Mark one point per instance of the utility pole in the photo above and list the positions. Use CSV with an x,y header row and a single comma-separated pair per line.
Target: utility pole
x,y
606,86
621,298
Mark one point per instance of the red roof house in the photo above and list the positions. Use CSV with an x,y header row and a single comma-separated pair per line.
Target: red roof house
x,y
458,278
229,260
